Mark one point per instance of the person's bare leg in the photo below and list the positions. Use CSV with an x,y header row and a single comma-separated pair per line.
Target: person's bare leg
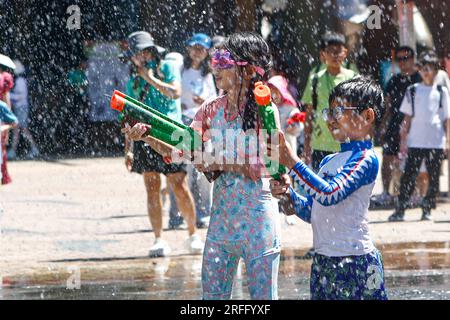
x,y
386,171
152,182
179,184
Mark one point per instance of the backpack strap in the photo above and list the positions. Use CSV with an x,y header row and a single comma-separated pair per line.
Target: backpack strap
x,y
314,82
439,88
412,94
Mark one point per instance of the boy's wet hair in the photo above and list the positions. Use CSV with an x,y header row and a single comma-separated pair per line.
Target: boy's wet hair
x,y
361,92
332,38
429,57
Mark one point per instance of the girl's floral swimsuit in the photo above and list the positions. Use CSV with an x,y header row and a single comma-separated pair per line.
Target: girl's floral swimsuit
x,y
243,218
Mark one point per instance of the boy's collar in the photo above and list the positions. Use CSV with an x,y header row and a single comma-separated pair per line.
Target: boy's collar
x,y
356,145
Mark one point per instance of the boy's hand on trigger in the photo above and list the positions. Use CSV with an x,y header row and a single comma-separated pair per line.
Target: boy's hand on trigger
x,y
285,156
137,132
280,188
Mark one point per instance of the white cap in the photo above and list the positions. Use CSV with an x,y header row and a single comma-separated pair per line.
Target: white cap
x,y
6,61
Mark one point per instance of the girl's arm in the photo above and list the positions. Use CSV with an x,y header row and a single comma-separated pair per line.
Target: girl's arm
x,y
137,133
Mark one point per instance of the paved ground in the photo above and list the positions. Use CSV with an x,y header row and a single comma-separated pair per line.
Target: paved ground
x,y
91,213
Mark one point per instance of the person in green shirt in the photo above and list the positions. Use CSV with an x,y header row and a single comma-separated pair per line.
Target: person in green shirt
x,y
318,139
157,83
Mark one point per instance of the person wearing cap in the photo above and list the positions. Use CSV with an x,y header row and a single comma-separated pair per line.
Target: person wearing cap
x,y
198,85
21,108
157,83
197,80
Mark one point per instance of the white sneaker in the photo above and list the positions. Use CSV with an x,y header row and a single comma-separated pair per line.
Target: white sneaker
x,y
159,249
194,244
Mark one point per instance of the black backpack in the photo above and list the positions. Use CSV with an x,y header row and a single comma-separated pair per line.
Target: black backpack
x,y
315,79
412,93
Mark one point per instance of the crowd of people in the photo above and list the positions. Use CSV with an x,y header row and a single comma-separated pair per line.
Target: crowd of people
x,y
325,141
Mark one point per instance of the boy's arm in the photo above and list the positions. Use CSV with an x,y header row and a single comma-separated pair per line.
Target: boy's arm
x,y
361,169
301,205
291,202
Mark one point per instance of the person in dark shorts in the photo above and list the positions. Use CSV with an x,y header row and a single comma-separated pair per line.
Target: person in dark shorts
x,y
157,83
392,119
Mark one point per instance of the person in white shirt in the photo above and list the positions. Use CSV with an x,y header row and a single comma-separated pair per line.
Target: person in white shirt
x,y
196,80
425,134
198,85
21,107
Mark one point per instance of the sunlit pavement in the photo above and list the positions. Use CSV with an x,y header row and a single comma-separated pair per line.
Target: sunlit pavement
x,y
86,220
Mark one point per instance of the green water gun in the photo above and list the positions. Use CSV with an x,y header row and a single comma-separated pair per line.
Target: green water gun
x,y
162,127
167,130
263,99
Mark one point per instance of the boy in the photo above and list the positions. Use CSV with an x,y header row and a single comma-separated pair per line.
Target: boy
x,y
425,126
318,141
346,264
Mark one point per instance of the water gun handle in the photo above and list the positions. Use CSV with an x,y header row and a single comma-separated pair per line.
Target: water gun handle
x,y
263,99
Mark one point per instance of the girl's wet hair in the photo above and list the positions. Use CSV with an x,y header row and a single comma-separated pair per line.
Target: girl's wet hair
x,y
250,47
361,92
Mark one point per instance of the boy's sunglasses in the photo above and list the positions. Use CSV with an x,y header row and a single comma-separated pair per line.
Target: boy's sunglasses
x,y
336,113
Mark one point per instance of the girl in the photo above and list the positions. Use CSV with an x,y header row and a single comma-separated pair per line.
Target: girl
x,y
243,216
